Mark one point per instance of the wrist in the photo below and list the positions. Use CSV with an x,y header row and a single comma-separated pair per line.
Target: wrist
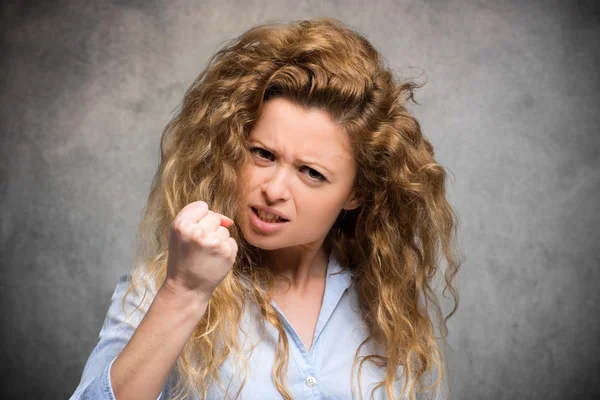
x,y
192,302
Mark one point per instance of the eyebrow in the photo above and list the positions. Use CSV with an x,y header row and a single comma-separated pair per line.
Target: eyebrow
x,y
308,162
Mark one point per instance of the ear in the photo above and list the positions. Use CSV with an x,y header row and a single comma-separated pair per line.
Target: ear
x,y
353,201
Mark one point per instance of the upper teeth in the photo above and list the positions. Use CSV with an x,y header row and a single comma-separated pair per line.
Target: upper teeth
x,y
267,217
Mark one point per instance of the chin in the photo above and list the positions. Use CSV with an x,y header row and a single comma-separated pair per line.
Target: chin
x,y
263,243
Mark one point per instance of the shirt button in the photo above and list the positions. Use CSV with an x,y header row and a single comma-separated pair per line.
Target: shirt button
x,y
310,381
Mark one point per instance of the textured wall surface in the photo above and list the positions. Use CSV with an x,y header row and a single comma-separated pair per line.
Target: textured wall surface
x,y
511,105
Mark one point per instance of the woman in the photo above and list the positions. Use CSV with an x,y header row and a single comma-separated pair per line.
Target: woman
x,y
320,286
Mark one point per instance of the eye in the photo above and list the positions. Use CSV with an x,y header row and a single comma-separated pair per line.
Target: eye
x,y
318,176
260,152
266,155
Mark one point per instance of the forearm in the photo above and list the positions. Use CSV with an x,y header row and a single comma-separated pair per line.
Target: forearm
x,y
142,368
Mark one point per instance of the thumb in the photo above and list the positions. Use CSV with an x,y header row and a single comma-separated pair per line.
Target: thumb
x,y
226,221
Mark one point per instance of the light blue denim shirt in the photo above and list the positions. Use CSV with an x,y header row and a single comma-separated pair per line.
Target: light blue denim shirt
x,y
323,372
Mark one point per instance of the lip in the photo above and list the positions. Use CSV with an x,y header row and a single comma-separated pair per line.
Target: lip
x,y
265,227
271,211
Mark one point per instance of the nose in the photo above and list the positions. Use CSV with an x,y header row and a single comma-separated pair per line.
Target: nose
x,y
275,186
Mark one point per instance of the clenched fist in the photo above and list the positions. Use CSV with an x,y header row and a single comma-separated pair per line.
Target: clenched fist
x,y
201,252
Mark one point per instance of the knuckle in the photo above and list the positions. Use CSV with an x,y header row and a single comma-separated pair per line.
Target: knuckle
x,y
200,204
199,233
233,244
227,250
211,241
179,226
223,232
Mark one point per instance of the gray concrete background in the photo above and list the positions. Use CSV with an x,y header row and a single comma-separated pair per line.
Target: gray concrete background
x,y
511,105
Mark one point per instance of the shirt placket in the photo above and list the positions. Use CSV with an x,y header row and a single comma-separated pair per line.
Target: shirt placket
x,y
304,361
335,286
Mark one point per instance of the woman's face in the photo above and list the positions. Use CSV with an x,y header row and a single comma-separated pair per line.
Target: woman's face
x,y
302,167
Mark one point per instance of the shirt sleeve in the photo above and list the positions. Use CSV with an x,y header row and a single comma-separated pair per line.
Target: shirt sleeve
x,y
439,393
117,329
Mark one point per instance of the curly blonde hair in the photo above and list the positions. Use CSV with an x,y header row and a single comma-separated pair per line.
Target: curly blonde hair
x,y
390,243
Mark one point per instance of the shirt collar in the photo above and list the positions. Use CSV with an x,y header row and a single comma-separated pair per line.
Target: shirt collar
x,y
337,275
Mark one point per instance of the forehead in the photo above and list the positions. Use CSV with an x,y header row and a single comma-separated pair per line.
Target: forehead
x,y
295,132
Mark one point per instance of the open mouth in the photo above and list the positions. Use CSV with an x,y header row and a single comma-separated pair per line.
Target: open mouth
x,y
266,218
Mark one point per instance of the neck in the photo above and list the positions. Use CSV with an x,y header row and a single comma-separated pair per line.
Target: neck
x,y
297,268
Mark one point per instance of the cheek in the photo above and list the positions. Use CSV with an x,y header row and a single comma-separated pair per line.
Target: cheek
x,y
324,210
253,180
248,179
